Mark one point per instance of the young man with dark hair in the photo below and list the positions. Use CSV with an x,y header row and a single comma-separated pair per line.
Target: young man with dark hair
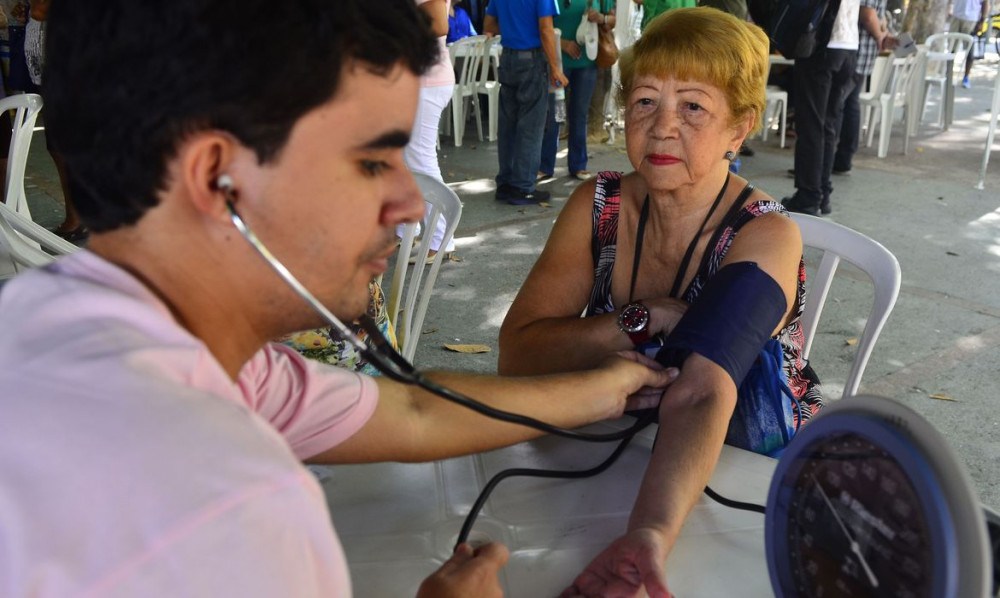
x,y
151,438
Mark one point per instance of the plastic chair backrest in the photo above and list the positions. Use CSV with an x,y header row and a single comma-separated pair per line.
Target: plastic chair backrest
x,y
879,80
839,242
470,51
483,75
408,298
22,240
902,71
26,107
953,43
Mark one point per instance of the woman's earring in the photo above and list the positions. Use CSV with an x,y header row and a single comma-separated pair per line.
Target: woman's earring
x,y
730,155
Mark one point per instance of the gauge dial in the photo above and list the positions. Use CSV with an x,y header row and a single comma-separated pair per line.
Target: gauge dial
x,y
856,525
869,500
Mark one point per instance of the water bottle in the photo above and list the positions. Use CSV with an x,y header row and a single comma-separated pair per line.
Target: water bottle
x,y
560,95
734,166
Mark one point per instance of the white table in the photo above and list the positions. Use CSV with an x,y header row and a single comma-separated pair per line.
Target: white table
x,y
398,522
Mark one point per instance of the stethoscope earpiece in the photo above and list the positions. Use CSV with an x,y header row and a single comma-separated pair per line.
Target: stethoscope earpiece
x,y
224,182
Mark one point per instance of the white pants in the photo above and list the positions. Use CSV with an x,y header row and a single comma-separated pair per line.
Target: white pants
x,y
421,153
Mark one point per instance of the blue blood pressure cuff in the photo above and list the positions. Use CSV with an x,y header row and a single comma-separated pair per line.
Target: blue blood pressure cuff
x,y
735,314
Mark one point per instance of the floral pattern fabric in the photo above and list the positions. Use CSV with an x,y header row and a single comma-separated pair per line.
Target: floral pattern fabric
x,y
324,345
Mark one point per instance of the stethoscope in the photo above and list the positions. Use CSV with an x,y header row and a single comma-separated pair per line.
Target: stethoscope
x,y
387,360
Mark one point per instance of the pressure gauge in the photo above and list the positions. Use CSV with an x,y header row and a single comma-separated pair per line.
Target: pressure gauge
x,y
869,500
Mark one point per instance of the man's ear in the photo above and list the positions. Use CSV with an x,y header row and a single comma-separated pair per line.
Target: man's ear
x,y
201,159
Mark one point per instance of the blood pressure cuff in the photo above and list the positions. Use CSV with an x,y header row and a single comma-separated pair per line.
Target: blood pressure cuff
x,y
733,318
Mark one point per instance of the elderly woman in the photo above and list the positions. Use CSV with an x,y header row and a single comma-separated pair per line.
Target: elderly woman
x,y
681,250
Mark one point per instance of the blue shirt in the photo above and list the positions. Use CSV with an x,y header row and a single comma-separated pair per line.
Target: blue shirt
x,y
518,21
459,26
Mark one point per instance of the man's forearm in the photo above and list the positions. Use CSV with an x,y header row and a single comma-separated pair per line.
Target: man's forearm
x,y
869,21
548,35
491,26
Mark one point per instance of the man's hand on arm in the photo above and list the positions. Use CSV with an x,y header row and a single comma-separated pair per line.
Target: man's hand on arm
x,y
469,572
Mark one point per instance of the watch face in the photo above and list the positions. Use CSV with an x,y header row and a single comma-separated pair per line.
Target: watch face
x,y
855,524
634,318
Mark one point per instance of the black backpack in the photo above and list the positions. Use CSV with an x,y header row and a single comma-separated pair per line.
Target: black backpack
x,y
797,28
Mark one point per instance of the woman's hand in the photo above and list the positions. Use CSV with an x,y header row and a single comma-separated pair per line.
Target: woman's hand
x,y
632,562
467,573
595,17
571,48
664,313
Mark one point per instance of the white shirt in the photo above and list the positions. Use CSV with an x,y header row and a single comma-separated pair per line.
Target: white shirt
x,y
845,27
132,465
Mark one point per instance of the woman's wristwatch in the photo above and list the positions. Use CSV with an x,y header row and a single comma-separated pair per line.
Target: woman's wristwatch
x,y
634,321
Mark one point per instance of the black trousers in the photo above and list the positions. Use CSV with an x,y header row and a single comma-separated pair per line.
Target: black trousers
x,y
822,83
850,128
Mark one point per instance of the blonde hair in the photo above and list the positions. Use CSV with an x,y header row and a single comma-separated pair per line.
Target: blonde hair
x,y
703,44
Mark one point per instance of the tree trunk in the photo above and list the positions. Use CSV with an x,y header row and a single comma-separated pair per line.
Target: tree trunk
x,y
924,17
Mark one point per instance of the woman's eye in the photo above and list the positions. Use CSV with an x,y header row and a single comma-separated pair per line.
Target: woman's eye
x,y
692,106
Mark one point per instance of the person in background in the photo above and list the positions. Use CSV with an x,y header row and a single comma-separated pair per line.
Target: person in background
x,y
436,88
71,228
823,81
968,16
637,252
654,8
164,455
459,23
529,64
873,37
581,72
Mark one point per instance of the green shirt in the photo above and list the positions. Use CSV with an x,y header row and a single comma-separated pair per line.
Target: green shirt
x,y
568,20
653,8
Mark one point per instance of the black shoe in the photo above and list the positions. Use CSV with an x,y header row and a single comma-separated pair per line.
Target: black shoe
x,y
842,172
791,173
792,204
824,206
527,198
745,150
505,192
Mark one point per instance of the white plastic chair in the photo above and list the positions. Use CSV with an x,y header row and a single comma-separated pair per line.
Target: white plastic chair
x,y
21,240
885,105
408,298
777,109
470,51
839,242
939,47
489,87
26,107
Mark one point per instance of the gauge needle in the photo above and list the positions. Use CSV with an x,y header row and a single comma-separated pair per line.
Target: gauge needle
x,y
855,547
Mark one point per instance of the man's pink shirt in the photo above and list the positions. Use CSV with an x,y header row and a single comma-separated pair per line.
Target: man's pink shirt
x,y
132,465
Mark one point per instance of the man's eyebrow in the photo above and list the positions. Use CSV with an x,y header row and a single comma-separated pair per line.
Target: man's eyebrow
x,y
389,140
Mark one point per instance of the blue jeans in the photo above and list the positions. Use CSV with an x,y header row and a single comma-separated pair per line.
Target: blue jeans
x,y
578,94
524,85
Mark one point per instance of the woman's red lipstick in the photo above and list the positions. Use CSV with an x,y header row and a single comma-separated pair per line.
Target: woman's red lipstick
x,y
662,159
